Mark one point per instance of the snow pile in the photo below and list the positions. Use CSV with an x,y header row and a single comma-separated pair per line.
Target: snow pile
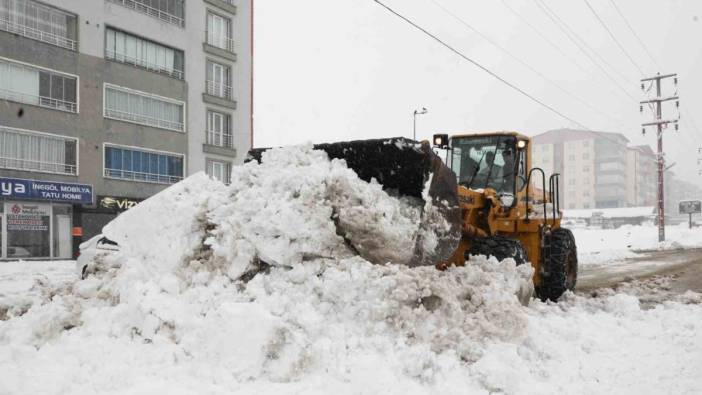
x,y
250,288
186,291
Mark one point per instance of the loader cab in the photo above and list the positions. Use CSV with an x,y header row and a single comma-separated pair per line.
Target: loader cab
x,y
496,161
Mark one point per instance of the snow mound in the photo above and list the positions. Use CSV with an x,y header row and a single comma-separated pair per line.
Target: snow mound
x,y
271,279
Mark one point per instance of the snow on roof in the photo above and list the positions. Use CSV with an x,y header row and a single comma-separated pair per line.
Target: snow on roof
x,y
621,212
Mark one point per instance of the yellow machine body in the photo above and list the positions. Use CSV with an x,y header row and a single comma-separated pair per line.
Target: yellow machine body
x,y
484,214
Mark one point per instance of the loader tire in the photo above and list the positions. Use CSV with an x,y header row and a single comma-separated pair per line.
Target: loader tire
x,y
560,273
500,247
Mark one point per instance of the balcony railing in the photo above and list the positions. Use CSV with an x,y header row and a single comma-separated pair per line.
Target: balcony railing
x,y
112,55
219,41
41,101
219,139
151,11
49,149
143,119
219,89
143,177
36,34
33,165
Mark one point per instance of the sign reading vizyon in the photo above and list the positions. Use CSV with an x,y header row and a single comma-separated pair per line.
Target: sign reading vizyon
x,y
16,188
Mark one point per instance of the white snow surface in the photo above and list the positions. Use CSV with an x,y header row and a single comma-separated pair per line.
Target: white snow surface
x,y
611,246
170,313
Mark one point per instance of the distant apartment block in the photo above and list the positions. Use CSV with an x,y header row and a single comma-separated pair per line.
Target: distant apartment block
x,y
593,166
641,176
104,103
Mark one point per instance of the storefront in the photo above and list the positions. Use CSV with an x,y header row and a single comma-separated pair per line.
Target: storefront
x,y
36,217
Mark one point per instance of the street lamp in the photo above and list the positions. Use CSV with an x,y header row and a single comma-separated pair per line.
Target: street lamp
x,y
417,112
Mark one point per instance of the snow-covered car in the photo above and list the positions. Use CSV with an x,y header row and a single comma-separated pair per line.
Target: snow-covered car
x,y
92,249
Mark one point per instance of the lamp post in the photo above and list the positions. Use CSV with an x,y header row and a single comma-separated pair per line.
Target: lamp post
x,y
417,112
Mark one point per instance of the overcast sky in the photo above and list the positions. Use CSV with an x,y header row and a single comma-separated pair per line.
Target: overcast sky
x,y
328,70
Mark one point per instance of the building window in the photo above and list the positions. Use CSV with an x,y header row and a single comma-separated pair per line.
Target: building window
x,y
39,22
571,157
126,48
219,129
170,11
219,32
35,151
220,171
31,85
142,165
586,156
219,80
143,108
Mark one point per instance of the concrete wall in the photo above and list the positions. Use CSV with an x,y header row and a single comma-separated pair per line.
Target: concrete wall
x,y
94,15
89,125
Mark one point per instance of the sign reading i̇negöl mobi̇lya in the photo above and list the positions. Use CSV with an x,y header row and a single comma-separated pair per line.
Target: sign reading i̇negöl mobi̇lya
x,y
16,188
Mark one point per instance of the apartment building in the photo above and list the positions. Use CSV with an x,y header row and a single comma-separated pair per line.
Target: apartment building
x,y
104,103
641,176
592,166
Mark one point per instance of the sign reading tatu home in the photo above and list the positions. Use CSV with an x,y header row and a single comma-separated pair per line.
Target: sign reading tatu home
x,y
16,188
116,203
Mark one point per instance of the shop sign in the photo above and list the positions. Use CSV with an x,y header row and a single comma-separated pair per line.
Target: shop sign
x,y
116,203
15,188
27,217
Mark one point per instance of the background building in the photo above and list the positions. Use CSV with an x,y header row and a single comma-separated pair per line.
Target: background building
x,y
592,166
641,176
105,102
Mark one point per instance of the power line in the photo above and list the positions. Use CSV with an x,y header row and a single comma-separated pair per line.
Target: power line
x,y
546,39
631,29
688,119
522,62
480,66
621,47
565,29
577,40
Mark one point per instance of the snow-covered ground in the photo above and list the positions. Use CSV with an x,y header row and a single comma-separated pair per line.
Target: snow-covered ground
x,y
607,246
249,289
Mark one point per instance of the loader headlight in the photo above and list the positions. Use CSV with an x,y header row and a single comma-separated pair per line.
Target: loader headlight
x,y
521,144
507,199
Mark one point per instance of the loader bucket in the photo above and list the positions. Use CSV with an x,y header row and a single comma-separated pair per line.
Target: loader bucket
x,y
403,167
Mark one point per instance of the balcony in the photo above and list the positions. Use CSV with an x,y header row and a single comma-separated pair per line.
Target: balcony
x,y
142,177
219,41
39,35
151,11
40,101
219,139
121,58
219,89
143,120
49,154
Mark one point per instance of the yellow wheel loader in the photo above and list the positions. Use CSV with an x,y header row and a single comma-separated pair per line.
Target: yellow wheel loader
x,y
485,199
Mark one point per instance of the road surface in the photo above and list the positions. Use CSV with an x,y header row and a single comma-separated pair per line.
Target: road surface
x,y
676,271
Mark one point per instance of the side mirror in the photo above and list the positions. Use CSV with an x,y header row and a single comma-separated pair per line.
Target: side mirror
x,y
441,141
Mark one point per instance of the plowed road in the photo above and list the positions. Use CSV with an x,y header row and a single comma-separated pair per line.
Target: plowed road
x,y
683,267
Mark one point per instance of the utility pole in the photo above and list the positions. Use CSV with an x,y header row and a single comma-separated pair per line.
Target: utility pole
x,y
660,123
